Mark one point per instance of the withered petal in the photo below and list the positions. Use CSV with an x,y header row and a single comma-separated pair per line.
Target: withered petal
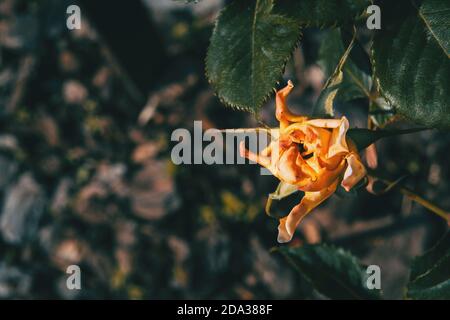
x,y
288,224
354,173
338,141
283,114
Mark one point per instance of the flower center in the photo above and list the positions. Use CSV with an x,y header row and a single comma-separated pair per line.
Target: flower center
x,y
303,151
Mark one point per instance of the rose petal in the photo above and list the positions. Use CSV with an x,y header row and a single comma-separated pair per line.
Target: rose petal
x,y
338,142
283,114
325,123
310,200
354,173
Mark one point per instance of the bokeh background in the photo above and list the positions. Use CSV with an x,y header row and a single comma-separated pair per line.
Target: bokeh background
x,y
86,118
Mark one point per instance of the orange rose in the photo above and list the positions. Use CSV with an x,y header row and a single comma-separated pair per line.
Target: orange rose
x,y
313,155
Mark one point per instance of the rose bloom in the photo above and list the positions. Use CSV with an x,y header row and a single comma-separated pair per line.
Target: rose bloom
x,y
313,155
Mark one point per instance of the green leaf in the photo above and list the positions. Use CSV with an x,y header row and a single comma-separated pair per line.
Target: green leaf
x,y
324,104
356,83
430,273
323,13
280,202
380,112
358,55
333,272
363,138
436,15
411,66
249,48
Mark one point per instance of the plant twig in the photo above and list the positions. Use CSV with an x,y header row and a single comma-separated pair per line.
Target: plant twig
x,y
25,69
425,203
360,237
416,198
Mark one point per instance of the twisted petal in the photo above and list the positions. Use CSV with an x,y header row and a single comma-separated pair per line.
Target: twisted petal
x,y
325,123
338,141
286,168
291,168
354,173
323,179
310,200
263,160
283,114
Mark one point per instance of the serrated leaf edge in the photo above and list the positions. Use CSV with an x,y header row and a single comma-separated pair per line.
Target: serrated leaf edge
x,y
253,110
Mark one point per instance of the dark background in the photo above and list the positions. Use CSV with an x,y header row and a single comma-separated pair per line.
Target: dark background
x,y
86,178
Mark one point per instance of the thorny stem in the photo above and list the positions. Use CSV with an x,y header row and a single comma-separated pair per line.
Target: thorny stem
x,y
417,198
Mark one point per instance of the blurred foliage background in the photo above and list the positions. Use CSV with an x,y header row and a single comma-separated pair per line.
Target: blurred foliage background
x,y
86,178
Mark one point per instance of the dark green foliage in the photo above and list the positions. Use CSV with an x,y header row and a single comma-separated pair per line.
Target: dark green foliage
x,y
430,273
323,13
365,137
249,47
356,83
333,272
280,202
411,65
436,15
